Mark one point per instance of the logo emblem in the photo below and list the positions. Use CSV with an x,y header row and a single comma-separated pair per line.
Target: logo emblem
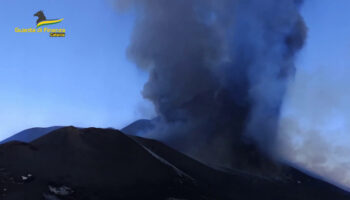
x,y
42,21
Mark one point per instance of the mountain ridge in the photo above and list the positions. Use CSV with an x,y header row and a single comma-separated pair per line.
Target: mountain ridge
x,y
30,134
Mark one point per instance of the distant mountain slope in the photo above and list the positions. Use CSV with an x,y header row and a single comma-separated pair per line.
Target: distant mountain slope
x,y
31,134
105,164
138,127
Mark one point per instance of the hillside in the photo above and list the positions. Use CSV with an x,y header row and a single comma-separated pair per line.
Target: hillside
x,y
72,163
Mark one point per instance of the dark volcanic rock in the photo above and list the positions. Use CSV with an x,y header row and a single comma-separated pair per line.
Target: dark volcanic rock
x,y
288,184
104,164
96,163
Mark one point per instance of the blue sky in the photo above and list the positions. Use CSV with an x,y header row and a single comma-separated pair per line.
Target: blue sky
x,y
84,79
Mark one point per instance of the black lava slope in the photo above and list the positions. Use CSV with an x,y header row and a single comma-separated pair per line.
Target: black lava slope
x,y
105,164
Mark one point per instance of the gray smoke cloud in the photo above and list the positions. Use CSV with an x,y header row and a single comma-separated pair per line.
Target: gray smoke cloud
x,y
218,72
314,124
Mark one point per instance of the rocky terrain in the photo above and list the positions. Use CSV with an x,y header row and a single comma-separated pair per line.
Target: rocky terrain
x,y
101,164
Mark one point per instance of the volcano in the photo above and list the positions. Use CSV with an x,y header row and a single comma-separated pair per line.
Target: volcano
x,y
101,164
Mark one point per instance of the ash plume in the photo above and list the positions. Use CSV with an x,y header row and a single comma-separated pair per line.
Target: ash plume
x,y
218,72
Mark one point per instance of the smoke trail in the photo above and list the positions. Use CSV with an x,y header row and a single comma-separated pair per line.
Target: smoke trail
x,y
218,72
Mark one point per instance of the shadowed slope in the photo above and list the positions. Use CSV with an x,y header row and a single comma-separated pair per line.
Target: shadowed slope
x,y
105,164
97,163
288,184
